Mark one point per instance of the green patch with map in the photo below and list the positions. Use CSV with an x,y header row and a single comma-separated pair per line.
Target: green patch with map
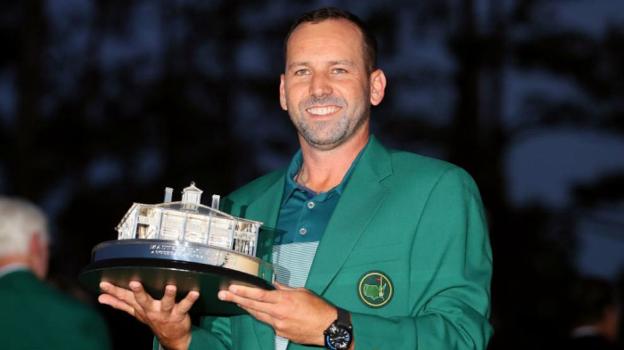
x,y
375,289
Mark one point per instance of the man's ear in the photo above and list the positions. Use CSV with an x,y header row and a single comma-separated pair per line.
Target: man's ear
x,y
377,87
38,255
282,92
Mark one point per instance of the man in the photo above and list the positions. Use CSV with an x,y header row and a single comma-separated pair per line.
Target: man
x,y
35,315
382,250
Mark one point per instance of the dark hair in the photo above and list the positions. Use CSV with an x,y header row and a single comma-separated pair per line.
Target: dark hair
x,y
325,13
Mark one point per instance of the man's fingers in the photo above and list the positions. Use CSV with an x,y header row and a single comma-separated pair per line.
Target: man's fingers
x,y
168,300
245,303
185,304
142,298
257,294
110,300
119,293
260,316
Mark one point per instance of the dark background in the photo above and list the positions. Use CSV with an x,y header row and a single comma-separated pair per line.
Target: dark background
x,y
105,102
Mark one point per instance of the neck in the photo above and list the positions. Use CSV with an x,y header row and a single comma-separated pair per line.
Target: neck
x,y
30,262
323,170
12,262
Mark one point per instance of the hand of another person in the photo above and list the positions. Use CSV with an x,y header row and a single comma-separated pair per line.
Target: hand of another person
x,y
169,321
294,313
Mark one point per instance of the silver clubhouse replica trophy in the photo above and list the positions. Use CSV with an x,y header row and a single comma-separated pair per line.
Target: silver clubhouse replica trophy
x,y
185,243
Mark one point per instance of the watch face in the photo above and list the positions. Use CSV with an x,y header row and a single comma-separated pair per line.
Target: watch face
x,y
339,339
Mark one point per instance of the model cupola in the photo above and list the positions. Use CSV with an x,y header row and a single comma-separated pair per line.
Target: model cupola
x,y
191,194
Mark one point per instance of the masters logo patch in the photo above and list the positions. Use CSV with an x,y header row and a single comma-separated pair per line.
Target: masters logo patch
x,y
375,289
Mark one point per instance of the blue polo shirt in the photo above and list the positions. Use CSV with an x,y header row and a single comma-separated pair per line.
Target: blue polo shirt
x,y
303,217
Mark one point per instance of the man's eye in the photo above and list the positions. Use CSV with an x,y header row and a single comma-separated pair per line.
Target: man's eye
x,y
300,72
339,70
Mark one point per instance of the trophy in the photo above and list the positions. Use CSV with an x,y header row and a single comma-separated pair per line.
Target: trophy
x,y
184,243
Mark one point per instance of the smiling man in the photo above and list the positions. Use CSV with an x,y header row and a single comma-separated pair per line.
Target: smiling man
x,y
382,249
329,84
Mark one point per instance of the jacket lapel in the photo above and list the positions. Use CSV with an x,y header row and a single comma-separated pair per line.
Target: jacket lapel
x,y
266,206
359,202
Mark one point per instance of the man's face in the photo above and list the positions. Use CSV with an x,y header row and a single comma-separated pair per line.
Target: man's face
x,y
326,88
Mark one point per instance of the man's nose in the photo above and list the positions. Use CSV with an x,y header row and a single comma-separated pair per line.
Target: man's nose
x,y
320,85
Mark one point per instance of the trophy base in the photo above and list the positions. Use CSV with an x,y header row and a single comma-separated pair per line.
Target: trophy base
x,y
155,273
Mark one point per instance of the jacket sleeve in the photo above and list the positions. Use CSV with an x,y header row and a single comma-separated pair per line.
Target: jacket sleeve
x,y
214,333
455,309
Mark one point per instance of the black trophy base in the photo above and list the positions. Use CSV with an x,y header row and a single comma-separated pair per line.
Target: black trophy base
x,y
187,265
154,274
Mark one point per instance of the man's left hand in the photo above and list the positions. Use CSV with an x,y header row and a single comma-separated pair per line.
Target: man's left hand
x,y
294,313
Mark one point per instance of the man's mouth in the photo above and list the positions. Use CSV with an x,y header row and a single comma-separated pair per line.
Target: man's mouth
x,y
323,110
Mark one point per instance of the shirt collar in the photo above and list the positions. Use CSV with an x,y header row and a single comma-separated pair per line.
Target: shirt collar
x,y
7,269
290,185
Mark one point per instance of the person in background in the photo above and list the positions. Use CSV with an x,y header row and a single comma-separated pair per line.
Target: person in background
x,y
34,315
597,317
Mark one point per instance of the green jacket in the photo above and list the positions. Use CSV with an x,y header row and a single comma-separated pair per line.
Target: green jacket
x,y
417,221
34,316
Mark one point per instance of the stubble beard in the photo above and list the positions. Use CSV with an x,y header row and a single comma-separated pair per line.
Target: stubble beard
x,y
329,134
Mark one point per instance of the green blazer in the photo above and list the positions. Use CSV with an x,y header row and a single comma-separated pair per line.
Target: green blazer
x,y
34,316
415,223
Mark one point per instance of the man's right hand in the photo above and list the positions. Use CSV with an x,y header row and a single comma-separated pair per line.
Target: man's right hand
x,y
169,321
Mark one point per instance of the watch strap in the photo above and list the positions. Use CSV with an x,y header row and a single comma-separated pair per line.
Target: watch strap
x,y
344,317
